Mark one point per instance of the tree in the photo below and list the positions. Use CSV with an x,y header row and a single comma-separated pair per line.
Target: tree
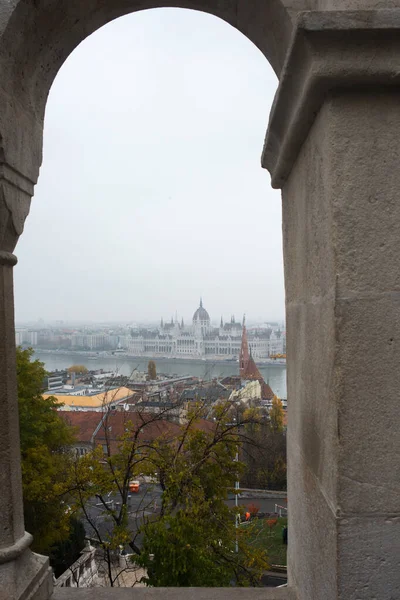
x,y
276,414
78,369
190,541
44,461
65,553
151,370
264,453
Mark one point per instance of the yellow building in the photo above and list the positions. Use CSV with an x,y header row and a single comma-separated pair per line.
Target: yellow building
x,y
95,402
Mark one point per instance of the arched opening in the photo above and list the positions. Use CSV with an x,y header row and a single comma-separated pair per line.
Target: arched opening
x,y
333,147
177,143
96,189
37,41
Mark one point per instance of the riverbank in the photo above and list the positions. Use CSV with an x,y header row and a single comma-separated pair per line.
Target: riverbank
x,y
274,374
92,355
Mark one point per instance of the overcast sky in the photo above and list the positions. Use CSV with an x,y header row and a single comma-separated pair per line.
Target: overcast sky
x,y
151,191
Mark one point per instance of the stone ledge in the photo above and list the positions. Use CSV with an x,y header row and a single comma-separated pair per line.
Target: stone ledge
x,y
174,594
345,50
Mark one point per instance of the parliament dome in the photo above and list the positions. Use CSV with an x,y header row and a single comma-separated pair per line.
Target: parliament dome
x,y
201,314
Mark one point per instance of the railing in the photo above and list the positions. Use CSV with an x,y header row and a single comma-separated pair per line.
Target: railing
x,y
81,573
279,509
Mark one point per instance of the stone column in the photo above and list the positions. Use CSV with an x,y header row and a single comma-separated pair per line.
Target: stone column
x,y
333,146
22,573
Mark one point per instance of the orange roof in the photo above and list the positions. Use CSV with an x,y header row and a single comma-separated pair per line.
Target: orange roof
x,y
96,401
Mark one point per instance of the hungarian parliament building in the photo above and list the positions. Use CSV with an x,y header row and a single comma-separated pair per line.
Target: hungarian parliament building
x,y
202,340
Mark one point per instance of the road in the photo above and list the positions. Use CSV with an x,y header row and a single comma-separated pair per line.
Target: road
x,y
140,505
266,505
147,502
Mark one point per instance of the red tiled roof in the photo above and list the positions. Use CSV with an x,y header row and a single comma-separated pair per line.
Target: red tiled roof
x,y
151,426
250,371
85,422
205,425
266,391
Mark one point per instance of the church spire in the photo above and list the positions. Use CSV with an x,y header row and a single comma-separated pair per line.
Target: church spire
x,y
182,324
244,352
162,323
222,323
201,302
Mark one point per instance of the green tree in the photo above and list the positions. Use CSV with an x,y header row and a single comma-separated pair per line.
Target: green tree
x,y
264,452
78,369
66,552
44,461
276,414
191,540
151,370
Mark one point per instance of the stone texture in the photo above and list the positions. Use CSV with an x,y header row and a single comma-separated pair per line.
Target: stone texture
x,y
312,532
12,522
329,50
341,243
366,126
335,5
310,309
372,573
368,337
366,233
310,314
28,577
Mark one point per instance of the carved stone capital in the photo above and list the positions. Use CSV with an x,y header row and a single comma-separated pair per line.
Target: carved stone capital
x,y
16,192
330,51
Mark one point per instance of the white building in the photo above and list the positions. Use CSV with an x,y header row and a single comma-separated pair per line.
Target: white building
x,y
201,339
26,337
92,341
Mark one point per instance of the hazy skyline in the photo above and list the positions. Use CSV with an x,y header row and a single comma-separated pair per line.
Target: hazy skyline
x,y
151,192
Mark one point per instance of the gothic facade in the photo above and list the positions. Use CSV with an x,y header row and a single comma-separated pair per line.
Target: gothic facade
x,y
201,340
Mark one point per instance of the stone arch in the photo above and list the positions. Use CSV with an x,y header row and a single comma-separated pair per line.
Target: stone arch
x,y
42,35
333,147
37,37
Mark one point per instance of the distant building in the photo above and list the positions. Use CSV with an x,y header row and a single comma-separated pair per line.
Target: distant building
x,y
54,382
249,370
86,398
249,393
24,337
94,341
201,340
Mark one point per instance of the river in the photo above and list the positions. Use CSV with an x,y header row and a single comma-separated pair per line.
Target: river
x,y
274,375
